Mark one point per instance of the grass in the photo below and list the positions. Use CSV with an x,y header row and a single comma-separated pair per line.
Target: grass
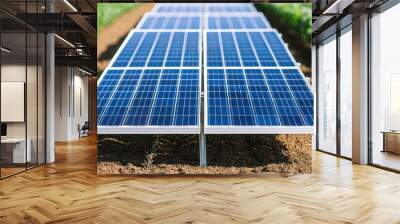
x,y
108,12
295,16
293,20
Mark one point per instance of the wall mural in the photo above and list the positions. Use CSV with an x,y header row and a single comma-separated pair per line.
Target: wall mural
x,y
204,88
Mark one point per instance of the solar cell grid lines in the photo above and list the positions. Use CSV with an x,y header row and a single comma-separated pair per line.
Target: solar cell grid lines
x,y
179,7
241,100
168,21
236,21
169,48
230,7
137,98
252,84
265,44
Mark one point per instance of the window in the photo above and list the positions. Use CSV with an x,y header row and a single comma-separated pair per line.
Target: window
x,y
385,89
327,96
346,92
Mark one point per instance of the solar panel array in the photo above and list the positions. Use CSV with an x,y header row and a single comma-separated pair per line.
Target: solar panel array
x,y
252,84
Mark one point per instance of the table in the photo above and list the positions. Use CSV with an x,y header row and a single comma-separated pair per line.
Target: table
x,y
391,141
13,150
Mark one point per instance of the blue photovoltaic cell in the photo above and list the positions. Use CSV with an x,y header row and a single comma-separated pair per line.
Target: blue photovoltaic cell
x,y
160,49
217,96
143,51
153,97
301,93
266,46
279,50
236,22
141,104
180,8
231,56
285,104
164,102
264,54
214,56
148,22
245,49
257,97
191,57
239,99
125,56
230,8
153,49
174,56
171,22
106,89
117,104
187,103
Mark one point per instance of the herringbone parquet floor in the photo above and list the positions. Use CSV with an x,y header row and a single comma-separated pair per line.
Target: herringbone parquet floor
x,y
69,191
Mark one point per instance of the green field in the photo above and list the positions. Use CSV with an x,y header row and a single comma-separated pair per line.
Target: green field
x,y
297,17
108,12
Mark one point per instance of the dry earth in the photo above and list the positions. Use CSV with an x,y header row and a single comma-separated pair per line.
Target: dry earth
x,y
289,155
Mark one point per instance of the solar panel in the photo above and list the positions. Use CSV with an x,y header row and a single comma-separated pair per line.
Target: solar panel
x,y
168,21
240,100
149,100
225,47
152,84
159,49
237,21
253,85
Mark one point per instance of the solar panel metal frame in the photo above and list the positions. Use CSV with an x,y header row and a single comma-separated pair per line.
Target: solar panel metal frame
x,y
252,129
238,14
163,14
172,129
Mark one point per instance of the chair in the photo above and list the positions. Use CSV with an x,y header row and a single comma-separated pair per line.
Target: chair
x,y
84,130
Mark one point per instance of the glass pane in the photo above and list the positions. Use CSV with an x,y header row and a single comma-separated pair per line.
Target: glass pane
x,y
31,98
385,114
41,99
327,96
13,87
346,93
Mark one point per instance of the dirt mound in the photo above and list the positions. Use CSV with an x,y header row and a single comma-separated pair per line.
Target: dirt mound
x,y
227,154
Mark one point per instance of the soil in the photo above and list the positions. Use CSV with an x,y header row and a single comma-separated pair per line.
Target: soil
x,y
111,37
226,155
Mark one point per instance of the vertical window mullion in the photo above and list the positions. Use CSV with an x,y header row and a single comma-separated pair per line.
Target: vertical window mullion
x,y
338,74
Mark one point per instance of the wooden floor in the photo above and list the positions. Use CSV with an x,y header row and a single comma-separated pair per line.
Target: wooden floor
x,y
69,191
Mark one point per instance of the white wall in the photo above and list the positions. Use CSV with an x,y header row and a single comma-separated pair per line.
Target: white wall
x,y
71,94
